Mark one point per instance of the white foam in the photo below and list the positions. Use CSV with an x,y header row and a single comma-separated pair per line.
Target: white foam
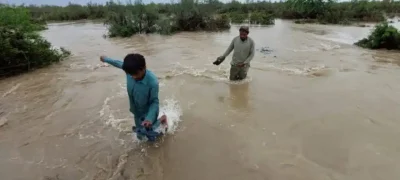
x,y
12,90
220,73
305,49
328,47
342,37
323,47
3,121
305,71
122,125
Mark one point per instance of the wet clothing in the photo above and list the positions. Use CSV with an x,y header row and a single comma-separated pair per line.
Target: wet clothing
x,y
238,73
149,133
143,98
243,51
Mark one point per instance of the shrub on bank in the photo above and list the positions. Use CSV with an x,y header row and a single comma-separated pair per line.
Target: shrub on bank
x,y
238,18
262,18
21,48
331,12
384,36
124,21
19,18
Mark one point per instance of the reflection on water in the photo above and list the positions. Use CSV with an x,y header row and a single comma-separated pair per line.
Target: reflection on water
x,y
239,96
314,108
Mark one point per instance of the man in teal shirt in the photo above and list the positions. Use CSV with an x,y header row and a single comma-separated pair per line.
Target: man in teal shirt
x,y
243,52
142,86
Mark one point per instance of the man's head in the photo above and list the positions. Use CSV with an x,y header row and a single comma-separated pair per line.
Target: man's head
x,y
244,31
135,65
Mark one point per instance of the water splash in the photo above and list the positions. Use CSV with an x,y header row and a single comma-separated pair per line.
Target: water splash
x,y
220,73
169,107
120,124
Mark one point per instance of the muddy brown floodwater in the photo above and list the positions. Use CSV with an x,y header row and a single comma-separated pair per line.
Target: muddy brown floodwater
x,y
314,108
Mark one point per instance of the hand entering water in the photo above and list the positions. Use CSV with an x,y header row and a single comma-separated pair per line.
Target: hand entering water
x,y
146,123
102,58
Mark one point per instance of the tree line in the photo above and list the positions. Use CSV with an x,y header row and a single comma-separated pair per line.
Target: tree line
x,y
327,11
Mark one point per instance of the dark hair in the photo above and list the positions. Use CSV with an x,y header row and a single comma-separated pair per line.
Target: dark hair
x,y
133,63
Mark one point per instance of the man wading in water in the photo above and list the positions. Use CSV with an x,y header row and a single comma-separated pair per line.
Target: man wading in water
x,y
142,86
243,53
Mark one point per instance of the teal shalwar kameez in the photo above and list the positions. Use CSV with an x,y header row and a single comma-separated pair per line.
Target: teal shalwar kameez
x,y
143,101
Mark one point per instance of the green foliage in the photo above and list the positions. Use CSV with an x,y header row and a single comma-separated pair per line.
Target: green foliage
x,y
302,9
21,48
321,11
262,18
69,13
18,18
331,12
126,20
384,36
238,17
192,16
136,18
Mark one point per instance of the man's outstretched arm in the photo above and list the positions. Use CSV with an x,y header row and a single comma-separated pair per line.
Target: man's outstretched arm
x,y
227,52
230,48
115,63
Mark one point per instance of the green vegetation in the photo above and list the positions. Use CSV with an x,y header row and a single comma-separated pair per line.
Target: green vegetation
x,y
126,20
322,11
71,12
21,48
331,12
211,15
19,18
384,36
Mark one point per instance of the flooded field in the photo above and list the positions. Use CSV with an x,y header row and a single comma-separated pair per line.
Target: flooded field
x,y
314,107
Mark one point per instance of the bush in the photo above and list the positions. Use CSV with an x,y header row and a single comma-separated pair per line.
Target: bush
x,y
262,18
21,48
125,21
383,36
238,18
216,23
128,20
19,18
331,12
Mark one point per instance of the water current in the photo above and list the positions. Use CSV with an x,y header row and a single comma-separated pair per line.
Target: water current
x,y
314,107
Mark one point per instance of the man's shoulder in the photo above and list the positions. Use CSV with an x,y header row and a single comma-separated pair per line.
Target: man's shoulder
x,y
152,79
